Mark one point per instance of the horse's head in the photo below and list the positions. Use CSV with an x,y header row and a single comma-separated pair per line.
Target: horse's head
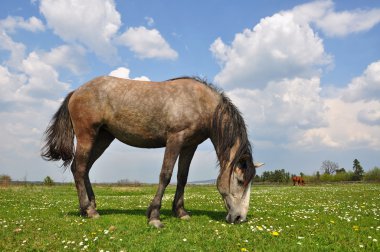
x,y
234,184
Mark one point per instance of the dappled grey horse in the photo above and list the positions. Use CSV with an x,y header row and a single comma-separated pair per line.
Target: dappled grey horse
x,y
178,114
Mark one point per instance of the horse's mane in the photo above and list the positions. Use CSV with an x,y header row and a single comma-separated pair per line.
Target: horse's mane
x,y
228,127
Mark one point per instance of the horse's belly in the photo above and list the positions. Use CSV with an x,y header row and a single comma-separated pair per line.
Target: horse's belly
x,y
138,139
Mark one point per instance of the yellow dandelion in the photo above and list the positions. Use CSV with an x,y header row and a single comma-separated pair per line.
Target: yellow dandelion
x,y
244,250
275,233
355,228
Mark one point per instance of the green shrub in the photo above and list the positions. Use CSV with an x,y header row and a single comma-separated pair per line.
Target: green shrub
x,y
372,175
48,181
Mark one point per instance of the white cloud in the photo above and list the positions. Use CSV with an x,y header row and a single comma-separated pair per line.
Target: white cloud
x,y
294,114
336,24
276,48
92,23
345,130
42,79
147,43
369,116
17,50
149,21
285,45
29,96
12,23
70,57
365,87
122,72
281,110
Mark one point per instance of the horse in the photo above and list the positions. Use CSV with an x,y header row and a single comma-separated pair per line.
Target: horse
x,y
177,114
299,180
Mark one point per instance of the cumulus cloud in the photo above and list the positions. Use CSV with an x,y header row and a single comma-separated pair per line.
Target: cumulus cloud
x,y
365,87
28,97
369,116
282,109
93,23
294,114
16,49
42,79
276,48
273,72
147,43
71,57
122,72
350,126
286,45
12,23
336,24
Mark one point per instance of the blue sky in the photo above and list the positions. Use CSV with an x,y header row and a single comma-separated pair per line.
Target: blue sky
x,y
305,74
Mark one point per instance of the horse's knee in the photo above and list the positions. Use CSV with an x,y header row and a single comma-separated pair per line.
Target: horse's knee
x,y
165,177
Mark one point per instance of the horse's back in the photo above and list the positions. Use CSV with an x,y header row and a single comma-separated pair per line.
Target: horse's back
x,y
143,113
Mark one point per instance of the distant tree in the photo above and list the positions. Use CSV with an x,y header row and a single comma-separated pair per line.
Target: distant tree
x,y
372,175
5,180
123,181
341,170
329,167
48,181
280,176
266,176
358,170
302,174
318,176
257,178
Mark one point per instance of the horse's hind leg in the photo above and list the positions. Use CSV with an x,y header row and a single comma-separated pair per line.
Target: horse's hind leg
x,y
185,157
103,140
79,169
87,151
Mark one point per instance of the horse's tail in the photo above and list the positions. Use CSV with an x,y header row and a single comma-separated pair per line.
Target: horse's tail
x,y
59,136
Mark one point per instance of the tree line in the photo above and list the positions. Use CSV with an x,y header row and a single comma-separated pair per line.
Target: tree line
x,y
329,172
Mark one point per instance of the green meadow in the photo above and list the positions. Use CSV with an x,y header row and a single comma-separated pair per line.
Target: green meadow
x,y
338,217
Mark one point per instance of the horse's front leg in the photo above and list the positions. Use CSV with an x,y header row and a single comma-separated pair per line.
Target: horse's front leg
x,y
184,161
172,150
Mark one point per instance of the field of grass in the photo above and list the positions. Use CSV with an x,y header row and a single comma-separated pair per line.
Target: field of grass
x,y
344,217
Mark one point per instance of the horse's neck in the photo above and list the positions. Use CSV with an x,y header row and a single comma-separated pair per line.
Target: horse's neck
x,y
225,158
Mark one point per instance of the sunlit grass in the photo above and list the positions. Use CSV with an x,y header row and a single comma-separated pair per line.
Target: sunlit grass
x,y
286,218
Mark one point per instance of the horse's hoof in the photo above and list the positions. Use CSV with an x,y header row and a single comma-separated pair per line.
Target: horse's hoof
x,y
156,223
93,214
185,217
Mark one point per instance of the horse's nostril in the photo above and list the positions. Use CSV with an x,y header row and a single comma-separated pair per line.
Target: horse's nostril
x,y
238,218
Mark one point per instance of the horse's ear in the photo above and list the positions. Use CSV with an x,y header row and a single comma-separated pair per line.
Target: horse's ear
x,y
258,164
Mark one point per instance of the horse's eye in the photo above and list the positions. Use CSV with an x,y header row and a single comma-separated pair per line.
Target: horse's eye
x,y
240,182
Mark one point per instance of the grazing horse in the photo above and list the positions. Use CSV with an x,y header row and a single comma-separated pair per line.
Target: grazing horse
x,y
178,114
299,180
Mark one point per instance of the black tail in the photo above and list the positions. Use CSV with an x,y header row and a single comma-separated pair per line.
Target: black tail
x,y
59,136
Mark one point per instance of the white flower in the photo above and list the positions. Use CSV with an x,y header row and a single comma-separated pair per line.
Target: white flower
x,y
184,239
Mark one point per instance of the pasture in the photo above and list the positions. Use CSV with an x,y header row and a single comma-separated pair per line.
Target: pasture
x,y
340,217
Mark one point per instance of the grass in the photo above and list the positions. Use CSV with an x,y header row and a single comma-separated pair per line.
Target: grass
x,y
344,217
